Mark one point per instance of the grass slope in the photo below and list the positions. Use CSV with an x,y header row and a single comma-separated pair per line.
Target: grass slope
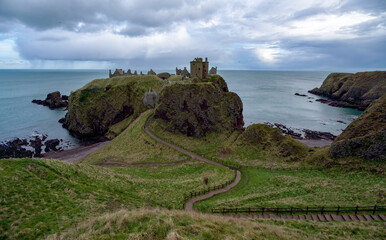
x,y
330,187
162,224
40,197
135,146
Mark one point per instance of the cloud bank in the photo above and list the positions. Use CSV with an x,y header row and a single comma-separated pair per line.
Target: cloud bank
x,y
253,34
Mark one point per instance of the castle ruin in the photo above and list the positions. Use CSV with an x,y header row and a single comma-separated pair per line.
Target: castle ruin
x,y
198,68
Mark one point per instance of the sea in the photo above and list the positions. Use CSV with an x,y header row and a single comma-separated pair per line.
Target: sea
x,y
267,96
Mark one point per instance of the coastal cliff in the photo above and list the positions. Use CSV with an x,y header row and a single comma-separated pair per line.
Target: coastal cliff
x,y
365,136
200,107
357,90
96,107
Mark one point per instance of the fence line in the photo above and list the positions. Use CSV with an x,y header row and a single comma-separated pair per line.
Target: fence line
x,y
191,195
297,210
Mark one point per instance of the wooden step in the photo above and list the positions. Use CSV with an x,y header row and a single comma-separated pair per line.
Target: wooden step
x,y
308,217
328,217
321,218
302,217
382,216
376,218
337,218
346,218
361,218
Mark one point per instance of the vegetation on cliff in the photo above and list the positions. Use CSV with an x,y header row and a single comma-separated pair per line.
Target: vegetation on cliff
x,y
197,108
104,102
365,136
353,90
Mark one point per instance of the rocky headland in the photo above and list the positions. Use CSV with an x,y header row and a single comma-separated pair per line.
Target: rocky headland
x,y
357,90
97,107
365,137
53,100
200,107
194,107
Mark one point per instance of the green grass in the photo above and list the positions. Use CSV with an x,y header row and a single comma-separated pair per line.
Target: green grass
x,y
40,197
162,224
220,146
330,187
135,146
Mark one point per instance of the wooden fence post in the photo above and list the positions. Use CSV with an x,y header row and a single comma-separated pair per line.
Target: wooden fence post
x,y
291,211
337,211
322,210
356,210
375,209
307,211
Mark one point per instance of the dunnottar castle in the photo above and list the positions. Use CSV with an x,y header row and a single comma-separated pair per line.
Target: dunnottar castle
x,y
198,69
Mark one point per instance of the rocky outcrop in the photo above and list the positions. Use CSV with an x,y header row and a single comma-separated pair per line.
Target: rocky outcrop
x,y
105,102
198,108
353,90
264,137
53,100
15,149
28,148
365,136
51,145
164,75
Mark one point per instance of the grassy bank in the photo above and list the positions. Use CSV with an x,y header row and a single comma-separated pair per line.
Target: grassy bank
x,y
162,224
40,197
330,187
135,146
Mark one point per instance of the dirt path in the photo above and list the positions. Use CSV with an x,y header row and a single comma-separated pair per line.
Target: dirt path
x,y
189,204
142,164
75,154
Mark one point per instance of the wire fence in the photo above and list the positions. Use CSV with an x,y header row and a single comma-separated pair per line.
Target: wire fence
x,y
301,210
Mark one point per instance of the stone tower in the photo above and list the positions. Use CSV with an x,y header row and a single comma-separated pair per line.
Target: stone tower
x,y
198,68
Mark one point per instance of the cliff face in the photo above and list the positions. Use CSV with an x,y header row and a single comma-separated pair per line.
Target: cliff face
x,y
365,136
104,102
200,107
353,90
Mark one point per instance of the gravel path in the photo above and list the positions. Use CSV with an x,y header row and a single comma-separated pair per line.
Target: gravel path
x,y
74,154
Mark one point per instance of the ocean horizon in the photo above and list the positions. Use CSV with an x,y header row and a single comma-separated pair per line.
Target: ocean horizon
x,y
267,96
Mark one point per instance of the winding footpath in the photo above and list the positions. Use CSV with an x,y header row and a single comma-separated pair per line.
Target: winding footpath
x,y
320,218
189,204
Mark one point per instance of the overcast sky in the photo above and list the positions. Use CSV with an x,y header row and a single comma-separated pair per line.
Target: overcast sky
x,y
250,34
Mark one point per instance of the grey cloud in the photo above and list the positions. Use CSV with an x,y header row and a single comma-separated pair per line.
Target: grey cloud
x,y
47,14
